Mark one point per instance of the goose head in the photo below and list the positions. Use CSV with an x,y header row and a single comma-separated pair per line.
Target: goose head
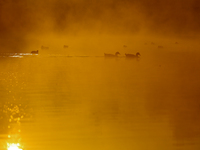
x,y
138,54
117,53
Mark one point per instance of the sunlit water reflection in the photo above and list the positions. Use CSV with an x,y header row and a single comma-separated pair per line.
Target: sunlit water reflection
x,y
97,103
13,146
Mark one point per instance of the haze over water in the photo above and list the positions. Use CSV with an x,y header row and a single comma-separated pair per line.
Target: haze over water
x,y
70,97
61,102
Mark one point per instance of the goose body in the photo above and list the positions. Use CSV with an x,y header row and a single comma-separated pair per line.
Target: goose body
x,y
65,46
34,52
44,47
112,55
137,55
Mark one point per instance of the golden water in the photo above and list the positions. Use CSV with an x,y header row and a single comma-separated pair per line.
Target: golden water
x,y
93,103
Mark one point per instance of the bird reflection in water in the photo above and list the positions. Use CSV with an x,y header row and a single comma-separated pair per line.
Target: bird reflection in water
x,y
14,146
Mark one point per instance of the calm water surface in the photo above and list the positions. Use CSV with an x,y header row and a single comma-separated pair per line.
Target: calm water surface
x,y
87,103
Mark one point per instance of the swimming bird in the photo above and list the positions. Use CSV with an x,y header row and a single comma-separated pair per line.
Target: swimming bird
x,y
65,46
133,56
124,46
34,52
44,47
111,55
160,46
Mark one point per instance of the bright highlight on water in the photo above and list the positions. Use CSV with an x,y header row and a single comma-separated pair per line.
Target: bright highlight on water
x,y
13,146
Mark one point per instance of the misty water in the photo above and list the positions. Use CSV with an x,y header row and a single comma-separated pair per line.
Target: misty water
x,y
94,103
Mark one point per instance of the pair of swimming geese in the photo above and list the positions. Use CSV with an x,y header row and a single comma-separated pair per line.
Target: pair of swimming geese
x,y
137,55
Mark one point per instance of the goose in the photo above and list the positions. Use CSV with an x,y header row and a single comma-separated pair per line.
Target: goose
x,y
111,55
133,56
124,46
44,47
65,46
34,52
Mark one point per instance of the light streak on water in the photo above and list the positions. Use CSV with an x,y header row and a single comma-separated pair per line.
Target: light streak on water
x,y
14,146
17,55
